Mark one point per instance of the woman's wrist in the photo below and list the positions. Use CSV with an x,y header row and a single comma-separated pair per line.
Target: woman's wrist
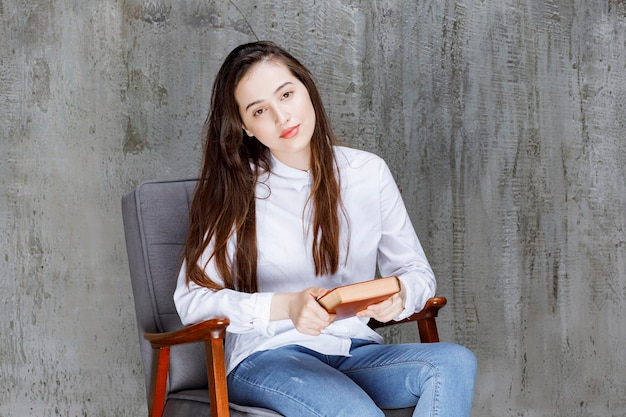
x,y
279,308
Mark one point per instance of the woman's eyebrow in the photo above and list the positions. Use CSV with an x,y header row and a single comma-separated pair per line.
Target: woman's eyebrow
x,y
275,91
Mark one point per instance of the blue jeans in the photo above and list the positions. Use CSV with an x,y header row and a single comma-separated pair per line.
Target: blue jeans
x,y
436,378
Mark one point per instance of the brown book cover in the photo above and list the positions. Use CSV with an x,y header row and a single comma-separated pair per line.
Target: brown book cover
x,y
347,300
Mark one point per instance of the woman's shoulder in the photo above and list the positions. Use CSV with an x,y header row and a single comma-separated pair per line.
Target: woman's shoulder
x,y
355,158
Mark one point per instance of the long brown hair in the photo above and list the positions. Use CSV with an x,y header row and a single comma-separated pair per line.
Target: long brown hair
x,y
224,199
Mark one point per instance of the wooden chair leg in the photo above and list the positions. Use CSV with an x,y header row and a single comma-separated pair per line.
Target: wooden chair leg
x,y
159,382
216,372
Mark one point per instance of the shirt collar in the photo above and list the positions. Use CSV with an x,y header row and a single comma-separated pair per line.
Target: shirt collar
x,y
297,178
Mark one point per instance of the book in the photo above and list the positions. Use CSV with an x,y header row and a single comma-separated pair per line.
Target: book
x,y
347,300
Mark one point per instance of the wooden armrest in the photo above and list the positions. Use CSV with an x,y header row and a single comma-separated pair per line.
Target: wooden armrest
x,y
425,320
199,332
212,333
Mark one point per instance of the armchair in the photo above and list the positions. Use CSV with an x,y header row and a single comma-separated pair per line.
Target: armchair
x,y
184,366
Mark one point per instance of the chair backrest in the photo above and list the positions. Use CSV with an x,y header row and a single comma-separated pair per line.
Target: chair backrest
x,y
156,220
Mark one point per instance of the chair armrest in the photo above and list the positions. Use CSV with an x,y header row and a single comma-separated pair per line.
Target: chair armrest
x,y
425,320
199,332
212,333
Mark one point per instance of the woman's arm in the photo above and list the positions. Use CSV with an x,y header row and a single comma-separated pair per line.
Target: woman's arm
x,y
246,312
400,252
251,312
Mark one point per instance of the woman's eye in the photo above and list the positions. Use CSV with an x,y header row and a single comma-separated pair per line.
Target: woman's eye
x,y
258,112
287,94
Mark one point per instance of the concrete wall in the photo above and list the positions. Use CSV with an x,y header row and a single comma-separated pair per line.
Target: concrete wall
x,y
502,120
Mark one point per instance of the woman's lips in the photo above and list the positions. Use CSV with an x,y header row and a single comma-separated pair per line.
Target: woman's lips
x,y
290,132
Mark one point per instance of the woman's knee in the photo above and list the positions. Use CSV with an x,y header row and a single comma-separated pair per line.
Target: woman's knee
x,y
458,354
457,360
464,357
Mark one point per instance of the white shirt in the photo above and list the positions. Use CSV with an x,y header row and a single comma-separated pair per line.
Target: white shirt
x,y
380,234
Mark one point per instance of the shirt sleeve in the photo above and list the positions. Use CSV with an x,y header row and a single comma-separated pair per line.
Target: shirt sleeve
x,y
246,312
399,251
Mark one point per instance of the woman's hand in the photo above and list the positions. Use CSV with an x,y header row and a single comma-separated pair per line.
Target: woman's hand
x,y
388,309
303,310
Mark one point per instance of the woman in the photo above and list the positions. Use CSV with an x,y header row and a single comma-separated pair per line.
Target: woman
x,y
283,213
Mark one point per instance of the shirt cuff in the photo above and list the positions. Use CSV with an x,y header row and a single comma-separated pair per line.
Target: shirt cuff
x,y
261,316
409,303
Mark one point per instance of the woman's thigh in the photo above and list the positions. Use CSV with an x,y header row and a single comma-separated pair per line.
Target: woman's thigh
x,y
298,382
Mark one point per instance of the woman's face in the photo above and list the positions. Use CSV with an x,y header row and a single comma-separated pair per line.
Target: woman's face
x,y
275,107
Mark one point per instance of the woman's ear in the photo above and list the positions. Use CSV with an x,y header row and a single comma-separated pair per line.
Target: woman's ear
x,y
247,131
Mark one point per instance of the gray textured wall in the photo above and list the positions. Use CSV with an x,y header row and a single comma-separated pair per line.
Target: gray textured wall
x,y
503,121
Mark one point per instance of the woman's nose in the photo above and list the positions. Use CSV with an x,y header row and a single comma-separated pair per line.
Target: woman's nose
x,y
282,116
